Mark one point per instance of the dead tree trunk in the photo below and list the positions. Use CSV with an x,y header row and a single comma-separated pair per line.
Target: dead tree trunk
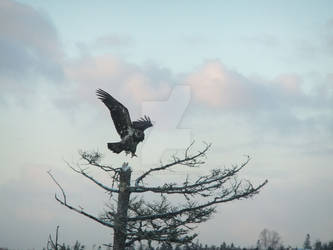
x,y
120,221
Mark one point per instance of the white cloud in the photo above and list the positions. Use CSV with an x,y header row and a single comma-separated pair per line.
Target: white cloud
x,y
215,85
129,83
30,49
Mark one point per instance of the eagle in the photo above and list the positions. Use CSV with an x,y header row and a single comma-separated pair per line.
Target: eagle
x,y
131,133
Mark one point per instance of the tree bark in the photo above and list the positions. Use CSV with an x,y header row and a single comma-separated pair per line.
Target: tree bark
x,y
120,221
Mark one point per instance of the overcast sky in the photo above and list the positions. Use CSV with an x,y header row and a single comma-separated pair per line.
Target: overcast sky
x,y
252,77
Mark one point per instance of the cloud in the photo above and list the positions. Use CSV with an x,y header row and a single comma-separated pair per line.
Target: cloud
x,y
267,40
116,43
113,40
317,49
278,103
212,83
33,49
328,36
290,84
130,83
29,46
215,85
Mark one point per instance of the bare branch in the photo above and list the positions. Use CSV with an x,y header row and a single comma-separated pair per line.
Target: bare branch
x,y
94,158
201,186
188,160
62,190
248,192
80,211
82,172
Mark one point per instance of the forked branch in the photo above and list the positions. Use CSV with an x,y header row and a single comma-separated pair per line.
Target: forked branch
x,y
64,202
194,160
202,186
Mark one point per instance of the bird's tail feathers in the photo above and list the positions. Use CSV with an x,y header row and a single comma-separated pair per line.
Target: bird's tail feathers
x,y
115,147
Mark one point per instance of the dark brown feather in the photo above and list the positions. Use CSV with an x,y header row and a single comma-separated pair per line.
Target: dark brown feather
x,y
119,112
143,123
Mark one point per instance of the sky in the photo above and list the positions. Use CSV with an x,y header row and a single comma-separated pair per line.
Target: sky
x,y
251,77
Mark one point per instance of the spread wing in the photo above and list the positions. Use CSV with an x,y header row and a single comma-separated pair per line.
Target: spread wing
x,y
142,123
119,112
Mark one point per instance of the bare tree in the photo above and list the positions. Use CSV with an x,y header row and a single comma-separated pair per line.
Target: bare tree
x,y
51,244
269,239
307,242
54,245
134,218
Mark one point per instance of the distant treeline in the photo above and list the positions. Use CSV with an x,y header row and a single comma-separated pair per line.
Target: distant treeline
x,y
318,245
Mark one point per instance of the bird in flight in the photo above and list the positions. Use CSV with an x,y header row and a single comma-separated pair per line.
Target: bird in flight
x,y
131,133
